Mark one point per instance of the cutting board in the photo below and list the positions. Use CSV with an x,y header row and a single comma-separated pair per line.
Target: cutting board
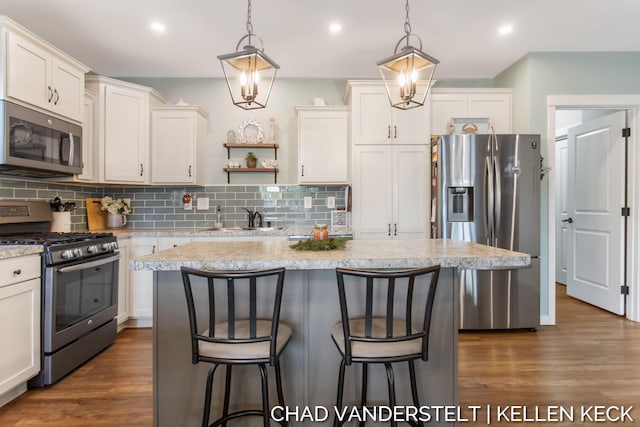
x,y
96,219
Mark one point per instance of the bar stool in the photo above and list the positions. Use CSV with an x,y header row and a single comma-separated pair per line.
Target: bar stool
x,y
393,327
231,338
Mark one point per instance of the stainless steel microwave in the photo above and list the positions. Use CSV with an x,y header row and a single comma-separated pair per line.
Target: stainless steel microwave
x,y
36,144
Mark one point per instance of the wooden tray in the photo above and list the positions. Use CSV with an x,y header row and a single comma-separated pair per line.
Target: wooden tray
x,y
96,219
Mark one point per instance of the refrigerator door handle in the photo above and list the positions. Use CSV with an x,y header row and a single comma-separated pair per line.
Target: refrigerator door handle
x,y
497,197
488,200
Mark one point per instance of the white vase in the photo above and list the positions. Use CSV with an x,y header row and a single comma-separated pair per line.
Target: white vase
x,y
115,220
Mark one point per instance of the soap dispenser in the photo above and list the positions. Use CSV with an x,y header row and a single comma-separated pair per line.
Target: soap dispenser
x,y
218,217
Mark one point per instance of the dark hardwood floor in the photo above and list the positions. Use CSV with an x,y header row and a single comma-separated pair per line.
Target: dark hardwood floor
x,y
589,358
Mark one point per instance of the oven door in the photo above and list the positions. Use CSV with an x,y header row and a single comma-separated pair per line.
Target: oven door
x,y
78,297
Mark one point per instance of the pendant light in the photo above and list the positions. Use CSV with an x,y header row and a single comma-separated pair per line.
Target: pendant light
x,y
408,74
249,72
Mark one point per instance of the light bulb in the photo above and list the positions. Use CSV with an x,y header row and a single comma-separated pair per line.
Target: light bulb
x,y
256,77
243,79
401,79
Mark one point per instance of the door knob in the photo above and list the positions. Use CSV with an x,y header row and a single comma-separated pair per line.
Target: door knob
x,y
569,220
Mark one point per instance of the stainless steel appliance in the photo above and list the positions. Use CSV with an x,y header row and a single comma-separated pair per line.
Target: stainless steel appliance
x,y
486,189
36,144
79,287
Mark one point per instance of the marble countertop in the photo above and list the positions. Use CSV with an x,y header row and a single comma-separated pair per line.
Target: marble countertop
x,y
358,253
12,251
225,232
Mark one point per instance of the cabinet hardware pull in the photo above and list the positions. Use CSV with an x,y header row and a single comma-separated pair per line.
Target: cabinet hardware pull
x,y
55,102
189,171
302,170
395,131
395,229
17,272
141,169
50,93
389,229
153,250
389,132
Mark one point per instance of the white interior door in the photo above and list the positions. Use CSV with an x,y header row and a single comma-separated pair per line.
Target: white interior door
x,y
595,196
562,213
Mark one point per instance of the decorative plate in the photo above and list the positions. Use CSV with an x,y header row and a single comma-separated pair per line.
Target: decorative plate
x,y
250,132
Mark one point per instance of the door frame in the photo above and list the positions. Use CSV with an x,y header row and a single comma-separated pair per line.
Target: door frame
x,y
613,102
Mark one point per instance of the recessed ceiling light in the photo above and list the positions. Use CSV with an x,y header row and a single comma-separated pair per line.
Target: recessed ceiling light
x,y
505,29
335,27
158,27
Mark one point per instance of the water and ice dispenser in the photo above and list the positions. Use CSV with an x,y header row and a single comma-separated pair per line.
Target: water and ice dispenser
x,y
459,204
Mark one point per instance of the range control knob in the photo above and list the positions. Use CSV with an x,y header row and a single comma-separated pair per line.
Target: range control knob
x,y
92,249
106,246
77,252
66,254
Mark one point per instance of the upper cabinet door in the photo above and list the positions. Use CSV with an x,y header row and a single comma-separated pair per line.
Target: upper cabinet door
x,y
27,76
371,117
125,135
177,145
444,107
495,106
42,77
375,121
323,145
67,82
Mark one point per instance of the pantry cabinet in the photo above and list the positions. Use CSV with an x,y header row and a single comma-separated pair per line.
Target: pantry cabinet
x,y
177,145
40,75
448,104
374,121
323,145
19,323
122,120
390,191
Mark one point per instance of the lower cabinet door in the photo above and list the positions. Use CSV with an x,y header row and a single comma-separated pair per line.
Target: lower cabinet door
x,y
19,333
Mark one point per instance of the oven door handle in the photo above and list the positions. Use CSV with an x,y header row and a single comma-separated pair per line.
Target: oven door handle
x,y
90,264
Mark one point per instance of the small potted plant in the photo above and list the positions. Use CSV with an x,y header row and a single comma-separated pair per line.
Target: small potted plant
x,y
251,160
117,210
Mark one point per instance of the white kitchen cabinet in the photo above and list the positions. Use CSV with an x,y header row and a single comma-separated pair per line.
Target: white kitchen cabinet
x,y
323,145
124,302
19,324
122,123
374,121
141,282
177,145
40,75
390,191
448,104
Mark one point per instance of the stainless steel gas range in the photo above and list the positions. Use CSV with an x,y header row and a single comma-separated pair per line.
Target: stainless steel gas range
x,y
79,287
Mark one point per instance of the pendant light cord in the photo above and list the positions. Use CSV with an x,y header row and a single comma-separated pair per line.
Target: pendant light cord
x,y
407,24
249,25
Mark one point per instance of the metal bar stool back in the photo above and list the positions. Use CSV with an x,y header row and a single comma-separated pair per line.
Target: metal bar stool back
x,y
234,319
385,319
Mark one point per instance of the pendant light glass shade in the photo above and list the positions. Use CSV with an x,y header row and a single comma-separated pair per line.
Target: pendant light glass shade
x,y
249,72
408,74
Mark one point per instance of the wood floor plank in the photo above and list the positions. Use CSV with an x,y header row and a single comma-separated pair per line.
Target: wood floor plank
x,y
588,358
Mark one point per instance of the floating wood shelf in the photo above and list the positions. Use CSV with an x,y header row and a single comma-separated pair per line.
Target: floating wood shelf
x,y
257,146
230,170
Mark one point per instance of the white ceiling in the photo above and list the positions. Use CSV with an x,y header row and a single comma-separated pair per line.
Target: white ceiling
x,y
113,38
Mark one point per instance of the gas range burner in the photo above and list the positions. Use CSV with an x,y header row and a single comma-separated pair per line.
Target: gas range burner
x,y
49,239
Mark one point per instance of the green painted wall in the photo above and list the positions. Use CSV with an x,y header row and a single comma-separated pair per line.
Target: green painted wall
x,y
538,75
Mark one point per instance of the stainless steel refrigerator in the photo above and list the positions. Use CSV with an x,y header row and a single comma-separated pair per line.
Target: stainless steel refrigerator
x,y
486,189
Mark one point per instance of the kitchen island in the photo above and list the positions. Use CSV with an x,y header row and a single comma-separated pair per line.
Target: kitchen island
x,y
310,307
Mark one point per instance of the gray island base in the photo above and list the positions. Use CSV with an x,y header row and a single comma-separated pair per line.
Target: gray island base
x,y
310,306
